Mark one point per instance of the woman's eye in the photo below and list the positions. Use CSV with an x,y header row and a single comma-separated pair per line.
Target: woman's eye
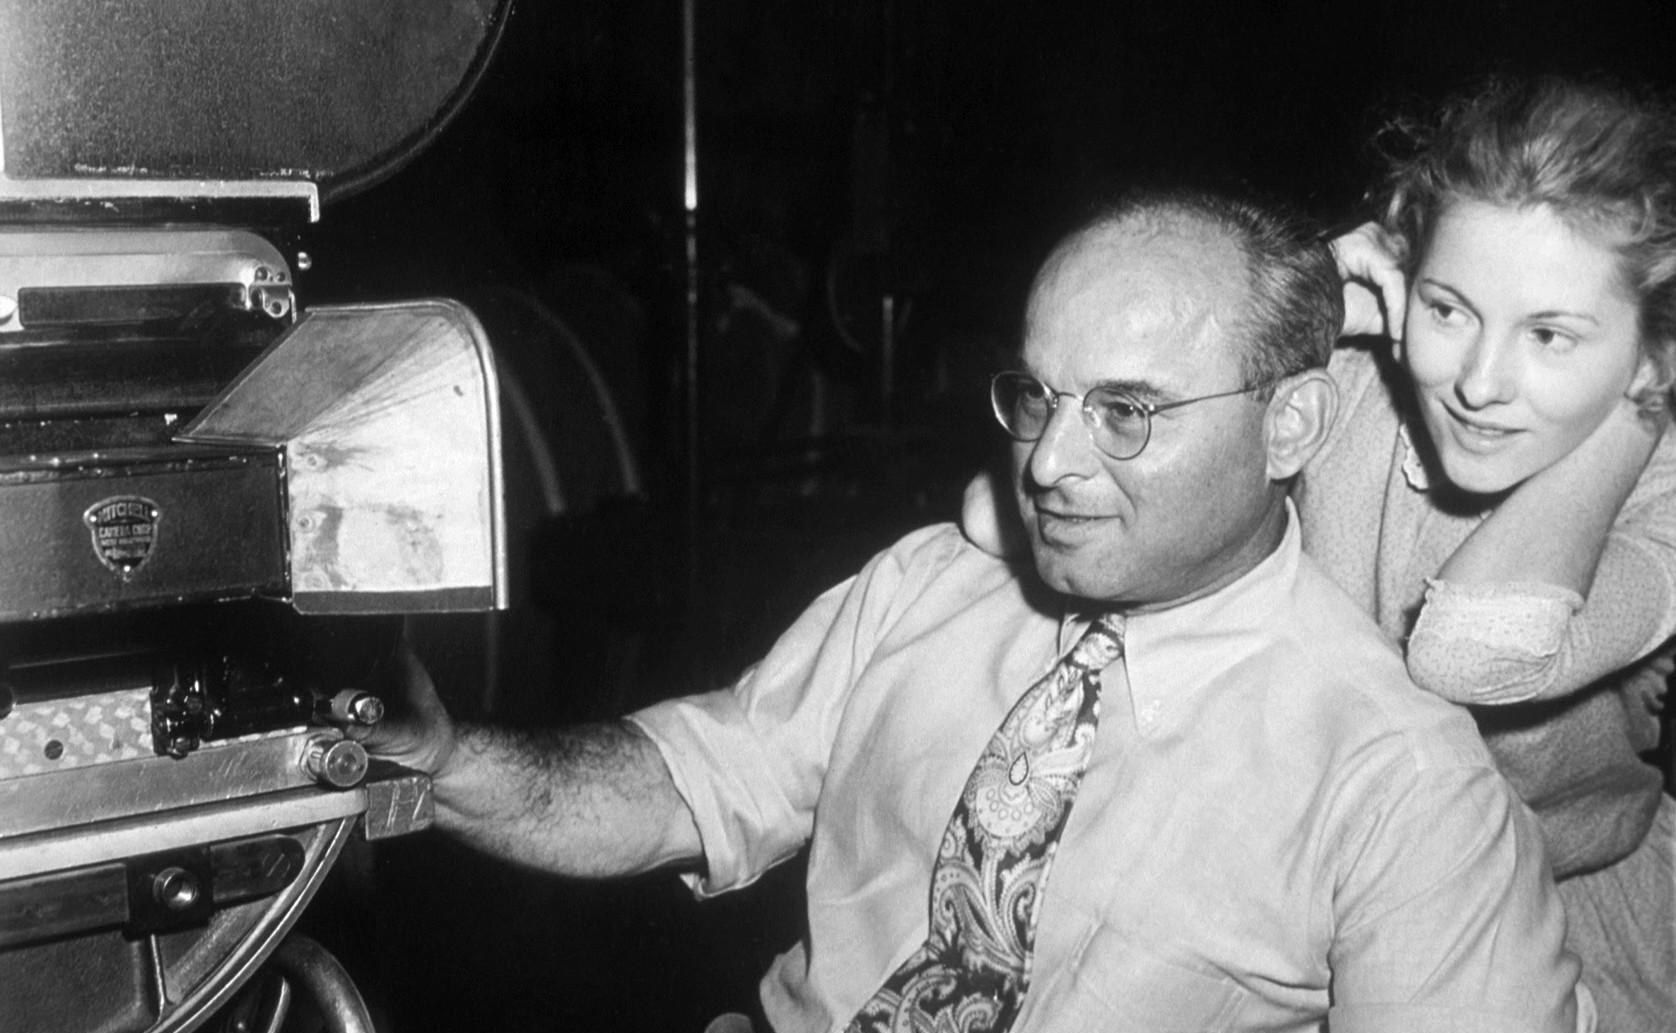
x,y
1551,339
1445,313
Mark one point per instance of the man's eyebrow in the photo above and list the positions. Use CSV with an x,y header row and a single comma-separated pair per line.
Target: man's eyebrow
x,y
1143,390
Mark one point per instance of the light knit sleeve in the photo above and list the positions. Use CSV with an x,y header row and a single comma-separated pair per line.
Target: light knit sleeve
x,y
1489,643
1508,642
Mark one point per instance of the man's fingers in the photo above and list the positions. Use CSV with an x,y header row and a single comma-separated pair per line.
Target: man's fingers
x,y
417,730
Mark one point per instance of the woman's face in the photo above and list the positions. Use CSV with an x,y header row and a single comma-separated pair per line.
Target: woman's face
x,y
1520,338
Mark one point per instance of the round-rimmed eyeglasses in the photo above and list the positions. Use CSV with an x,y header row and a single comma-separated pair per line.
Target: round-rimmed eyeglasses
x,y
1119,423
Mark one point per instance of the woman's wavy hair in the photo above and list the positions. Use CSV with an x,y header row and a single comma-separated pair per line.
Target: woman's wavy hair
x,y
1601,156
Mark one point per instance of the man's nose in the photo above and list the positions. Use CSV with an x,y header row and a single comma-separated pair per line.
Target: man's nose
x,y
1487,375
1065,448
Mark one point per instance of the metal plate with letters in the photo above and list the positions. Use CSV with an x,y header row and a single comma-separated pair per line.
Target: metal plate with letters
x,y
112,534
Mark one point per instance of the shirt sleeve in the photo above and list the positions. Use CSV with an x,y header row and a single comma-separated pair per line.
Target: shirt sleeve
x,y
1446,918
1519,641
750,760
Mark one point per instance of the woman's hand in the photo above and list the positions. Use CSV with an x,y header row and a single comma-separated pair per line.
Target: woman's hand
x,y
987,519
1375,293
1644,692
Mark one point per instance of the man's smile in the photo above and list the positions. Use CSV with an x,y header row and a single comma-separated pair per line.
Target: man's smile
x,y
1056,526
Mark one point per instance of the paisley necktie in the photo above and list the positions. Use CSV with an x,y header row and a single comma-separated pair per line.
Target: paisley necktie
x,y
973,970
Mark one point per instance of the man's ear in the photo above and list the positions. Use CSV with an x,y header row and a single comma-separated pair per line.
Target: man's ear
x,y
1300,415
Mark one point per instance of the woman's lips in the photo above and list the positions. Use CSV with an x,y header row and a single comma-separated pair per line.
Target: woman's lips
x,y
1478,435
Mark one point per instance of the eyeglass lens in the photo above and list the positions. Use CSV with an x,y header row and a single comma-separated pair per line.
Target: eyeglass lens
x,y
1119,424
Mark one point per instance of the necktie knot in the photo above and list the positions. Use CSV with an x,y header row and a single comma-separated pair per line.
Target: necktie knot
x,y
1101,644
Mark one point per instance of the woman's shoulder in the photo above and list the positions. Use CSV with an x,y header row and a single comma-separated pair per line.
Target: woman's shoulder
x,y
1655,491
1367,413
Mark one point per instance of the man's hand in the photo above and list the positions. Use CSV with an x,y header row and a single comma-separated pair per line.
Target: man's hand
x,y
416,731
1367,263
593,800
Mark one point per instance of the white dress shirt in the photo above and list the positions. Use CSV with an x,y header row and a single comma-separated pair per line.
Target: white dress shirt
x,y
1276,826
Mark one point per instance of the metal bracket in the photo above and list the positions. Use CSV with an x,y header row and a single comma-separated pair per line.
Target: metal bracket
x,y
399,801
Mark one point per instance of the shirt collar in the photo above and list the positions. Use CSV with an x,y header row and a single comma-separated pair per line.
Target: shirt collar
x,y
1174,655
1413,467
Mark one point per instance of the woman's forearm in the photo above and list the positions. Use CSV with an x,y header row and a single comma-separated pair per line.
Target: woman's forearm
x,y
1552,527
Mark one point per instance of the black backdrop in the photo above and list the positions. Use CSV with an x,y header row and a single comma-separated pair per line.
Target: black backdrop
x,y
956,125
939,140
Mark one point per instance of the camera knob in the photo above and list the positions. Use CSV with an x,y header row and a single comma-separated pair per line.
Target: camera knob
x,y
340,763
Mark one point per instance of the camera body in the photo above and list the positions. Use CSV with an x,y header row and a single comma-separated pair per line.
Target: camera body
x,y
216,501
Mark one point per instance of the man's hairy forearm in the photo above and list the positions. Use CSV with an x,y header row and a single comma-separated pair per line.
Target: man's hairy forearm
x,y
591,800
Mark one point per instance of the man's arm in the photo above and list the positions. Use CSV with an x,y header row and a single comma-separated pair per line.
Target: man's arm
x,y
594,800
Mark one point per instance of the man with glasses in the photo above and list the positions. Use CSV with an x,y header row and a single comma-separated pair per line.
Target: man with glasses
x,y
1167,777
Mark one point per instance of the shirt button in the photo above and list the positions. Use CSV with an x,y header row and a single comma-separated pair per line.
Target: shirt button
x,y
1149,714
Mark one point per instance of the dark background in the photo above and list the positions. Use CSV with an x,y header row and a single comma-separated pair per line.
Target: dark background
x,y
920,151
